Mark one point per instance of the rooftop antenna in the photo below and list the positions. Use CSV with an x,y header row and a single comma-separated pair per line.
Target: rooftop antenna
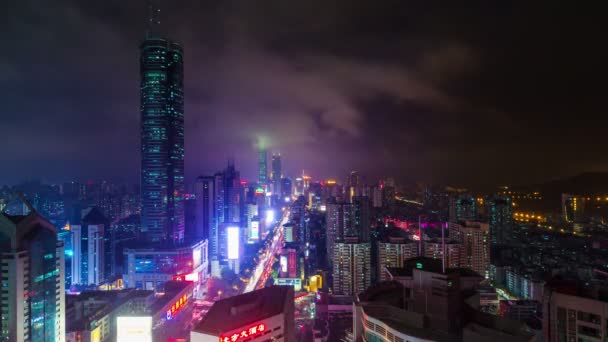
x,y
443,228
153,24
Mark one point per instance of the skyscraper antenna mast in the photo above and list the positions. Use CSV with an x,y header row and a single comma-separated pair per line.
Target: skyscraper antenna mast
x,y
153,24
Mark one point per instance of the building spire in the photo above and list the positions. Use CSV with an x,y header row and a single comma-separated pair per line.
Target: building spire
x,y
153,24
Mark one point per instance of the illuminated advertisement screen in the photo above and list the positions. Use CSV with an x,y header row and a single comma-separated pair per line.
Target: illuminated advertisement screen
x,y
295,282
269,216
232,234
246,333
131,329
96,334
255,230
196,257
283,263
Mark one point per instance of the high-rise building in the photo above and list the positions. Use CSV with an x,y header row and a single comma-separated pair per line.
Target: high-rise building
x,y
361,207
462,208
89,248
340,221
285,187
150,268
573,311
162,135
392,253
351,267
429,303
276,174
32,300
231,192
475,240
205,207
454,252
377,197
500,212
266,314
262,166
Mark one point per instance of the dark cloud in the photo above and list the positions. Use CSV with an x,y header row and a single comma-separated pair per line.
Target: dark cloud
x,y
440,92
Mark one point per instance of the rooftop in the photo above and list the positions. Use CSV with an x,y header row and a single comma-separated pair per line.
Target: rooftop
x,y
234,312
428,265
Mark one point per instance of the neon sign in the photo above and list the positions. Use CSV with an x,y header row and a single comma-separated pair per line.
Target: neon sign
x,y
186,277
176,307
253,331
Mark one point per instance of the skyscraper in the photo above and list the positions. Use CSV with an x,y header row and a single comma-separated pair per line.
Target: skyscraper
x,y
501,219
462,208
340,220
351,267
88,246
162,135
392,252
276,174
262,166
32,301
361,209
475,240
205,207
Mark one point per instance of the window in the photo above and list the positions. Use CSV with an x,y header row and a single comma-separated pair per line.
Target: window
x,y
588,331
588,317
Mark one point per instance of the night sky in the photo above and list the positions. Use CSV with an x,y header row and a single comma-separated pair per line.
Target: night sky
x,y
417,90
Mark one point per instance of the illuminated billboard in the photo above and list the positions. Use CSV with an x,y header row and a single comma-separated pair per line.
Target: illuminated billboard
x,y
283,263
176,307
196,257
255,230
295,282
269,216
96,334
233,242
131,329
252,331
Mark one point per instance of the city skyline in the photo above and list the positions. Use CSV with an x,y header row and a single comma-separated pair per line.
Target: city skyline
x,y
307,172
414,92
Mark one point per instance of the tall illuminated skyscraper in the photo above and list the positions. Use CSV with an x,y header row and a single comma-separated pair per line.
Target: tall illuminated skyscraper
x,y
276,174
162,135
263,165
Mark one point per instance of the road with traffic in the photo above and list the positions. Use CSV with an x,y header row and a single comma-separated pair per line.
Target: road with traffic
x,y
264,267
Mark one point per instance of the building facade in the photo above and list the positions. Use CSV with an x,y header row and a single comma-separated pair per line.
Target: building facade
x,y
276,175
393,253
351,267
162,139
205,207
261,315
574,317
32,300
475,238
148,269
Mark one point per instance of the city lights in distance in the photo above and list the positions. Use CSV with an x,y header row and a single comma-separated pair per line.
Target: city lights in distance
x,y
252,331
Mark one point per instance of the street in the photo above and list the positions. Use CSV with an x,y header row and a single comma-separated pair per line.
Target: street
x,y
264,267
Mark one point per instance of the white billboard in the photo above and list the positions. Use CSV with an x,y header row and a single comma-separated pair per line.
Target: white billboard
x,y
283,263
255,230
131,329
196,257
232,234
269,216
